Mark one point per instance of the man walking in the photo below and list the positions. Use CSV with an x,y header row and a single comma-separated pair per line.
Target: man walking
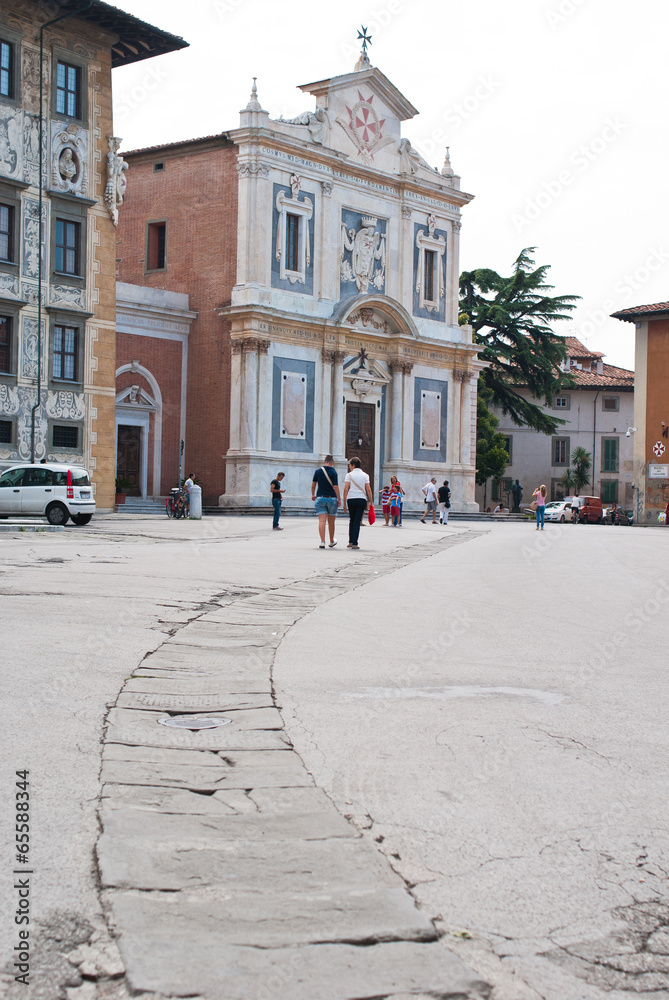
x,y
430,492
276,494
325,494
444,495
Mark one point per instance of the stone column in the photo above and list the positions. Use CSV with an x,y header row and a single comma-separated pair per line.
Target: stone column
x,y
235,395
466,418
337,435
326,402
453,276
396,368
264,441
249,394
407,412
456,410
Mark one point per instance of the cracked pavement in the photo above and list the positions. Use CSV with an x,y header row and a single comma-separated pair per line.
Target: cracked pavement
x,y
222,870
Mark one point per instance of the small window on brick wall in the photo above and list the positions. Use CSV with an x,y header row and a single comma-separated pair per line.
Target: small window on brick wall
x,y
65,436
156,246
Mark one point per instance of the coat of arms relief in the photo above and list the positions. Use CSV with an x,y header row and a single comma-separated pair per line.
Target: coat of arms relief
x,y
367,247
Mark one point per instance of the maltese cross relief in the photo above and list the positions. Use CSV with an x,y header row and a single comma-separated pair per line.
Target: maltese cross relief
x,y
364,128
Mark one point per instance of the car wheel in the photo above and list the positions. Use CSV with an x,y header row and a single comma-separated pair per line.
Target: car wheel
x,y
81,518
562,519
57,513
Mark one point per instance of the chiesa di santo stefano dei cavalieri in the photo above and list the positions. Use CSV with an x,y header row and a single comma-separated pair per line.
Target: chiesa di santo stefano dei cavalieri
x,y
342,322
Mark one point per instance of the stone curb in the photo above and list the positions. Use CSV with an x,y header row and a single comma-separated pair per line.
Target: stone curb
x,y
226,873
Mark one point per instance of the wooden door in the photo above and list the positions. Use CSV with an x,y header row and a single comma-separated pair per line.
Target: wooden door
x,y
128,456
360,436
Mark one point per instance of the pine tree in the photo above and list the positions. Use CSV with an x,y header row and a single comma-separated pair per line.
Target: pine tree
x,y
512,318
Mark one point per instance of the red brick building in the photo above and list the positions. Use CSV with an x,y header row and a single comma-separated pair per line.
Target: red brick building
x,y
169,207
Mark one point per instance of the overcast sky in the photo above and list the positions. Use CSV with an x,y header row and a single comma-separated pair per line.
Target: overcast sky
x,y
555,112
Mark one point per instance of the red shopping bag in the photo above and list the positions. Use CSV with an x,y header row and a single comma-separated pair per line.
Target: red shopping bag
x,y
371,516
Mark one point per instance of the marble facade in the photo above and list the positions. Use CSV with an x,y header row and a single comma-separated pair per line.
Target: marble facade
x,y
344,317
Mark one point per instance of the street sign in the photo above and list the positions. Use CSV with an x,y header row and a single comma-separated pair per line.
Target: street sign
x,y
656,471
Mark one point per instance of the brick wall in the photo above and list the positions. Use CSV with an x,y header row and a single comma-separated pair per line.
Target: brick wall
x,y
196,194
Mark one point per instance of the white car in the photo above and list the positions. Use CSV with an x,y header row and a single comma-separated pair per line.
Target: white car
x,y
57,492
558,510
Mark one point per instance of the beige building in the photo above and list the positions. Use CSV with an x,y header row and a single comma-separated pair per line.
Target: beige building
x,y
597,413
61,185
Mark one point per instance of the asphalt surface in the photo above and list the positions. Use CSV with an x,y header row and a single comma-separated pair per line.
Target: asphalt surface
x,y
487,713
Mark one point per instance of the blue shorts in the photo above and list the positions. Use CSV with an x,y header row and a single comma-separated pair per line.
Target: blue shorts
x,y
326,505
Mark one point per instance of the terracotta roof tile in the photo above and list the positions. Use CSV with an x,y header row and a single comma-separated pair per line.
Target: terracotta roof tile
x,y
636,312
575,349
174,145
620,378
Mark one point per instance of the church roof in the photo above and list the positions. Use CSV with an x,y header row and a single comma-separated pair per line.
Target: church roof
x,y
137,40
374,78
638,312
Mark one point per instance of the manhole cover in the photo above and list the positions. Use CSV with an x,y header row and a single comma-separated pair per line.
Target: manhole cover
x,y
193,722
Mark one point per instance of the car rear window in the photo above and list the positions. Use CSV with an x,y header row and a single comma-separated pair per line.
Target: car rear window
x,y
79,478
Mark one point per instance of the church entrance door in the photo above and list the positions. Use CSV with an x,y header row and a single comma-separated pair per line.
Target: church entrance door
x,y
360,436
128,456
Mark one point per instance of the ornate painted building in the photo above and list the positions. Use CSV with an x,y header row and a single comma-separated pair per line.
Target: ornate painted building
x,y
57,271
321,257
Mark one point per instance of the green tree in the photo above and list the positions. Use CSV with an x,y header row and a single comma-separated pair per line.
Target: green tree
x,y
582,462
511,318
567,481
491,454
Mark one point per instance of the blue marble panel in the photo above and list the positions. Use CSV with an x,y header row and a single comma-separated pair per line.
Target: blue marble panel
x,y
420,453
440,313
279,441
376,272
277,282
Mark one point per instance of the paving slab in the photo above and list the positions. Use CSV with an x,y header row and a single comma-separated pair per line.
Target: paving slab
x,y
210,778
145,719
279,919
251,866
205,739
149,830
192,702
161,960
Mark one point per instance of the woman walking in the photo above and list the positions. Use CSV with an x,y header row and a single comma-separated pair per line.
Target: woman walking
x,y
357,492
540,498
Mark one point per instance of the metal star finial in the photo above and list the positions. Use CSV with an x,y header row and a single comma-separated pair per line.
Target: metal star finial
x,y
366,39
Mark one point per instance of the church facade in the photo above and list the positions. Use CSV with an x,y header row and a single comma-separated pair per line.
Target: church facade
x,y
320,256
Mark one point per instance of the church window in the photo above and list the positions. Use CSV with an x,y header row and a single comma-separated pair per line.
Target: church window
x,y
292,242
6,69
429,258
68,90
156,246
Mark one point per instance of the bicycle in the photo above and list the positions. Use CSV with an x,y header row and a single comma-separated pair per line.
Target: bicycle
x,y
176,504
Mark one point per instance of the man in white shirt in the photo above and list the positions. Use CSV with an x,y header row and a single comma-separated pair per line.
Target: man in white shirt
x,y
430,492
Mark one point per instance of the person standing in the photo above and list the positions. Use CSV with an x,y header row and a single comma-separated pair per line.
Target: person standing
x,y
444,496
384,497
395,485
430,491
357,493
276,494
540,497
396,505
325,494
188,486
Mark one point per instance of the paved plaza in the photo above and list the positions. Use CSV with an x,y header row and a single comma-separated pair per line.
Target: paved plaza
x,y
442,772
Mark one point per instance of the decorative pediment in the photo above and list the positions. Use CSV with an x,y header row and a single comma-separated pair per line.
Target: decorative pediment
x,y
366,374
134,395
368,319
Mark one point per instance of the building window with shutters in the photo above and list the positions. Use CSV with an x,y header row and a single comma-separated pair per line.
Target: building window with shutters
x,y
609,454
609,491
560,446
